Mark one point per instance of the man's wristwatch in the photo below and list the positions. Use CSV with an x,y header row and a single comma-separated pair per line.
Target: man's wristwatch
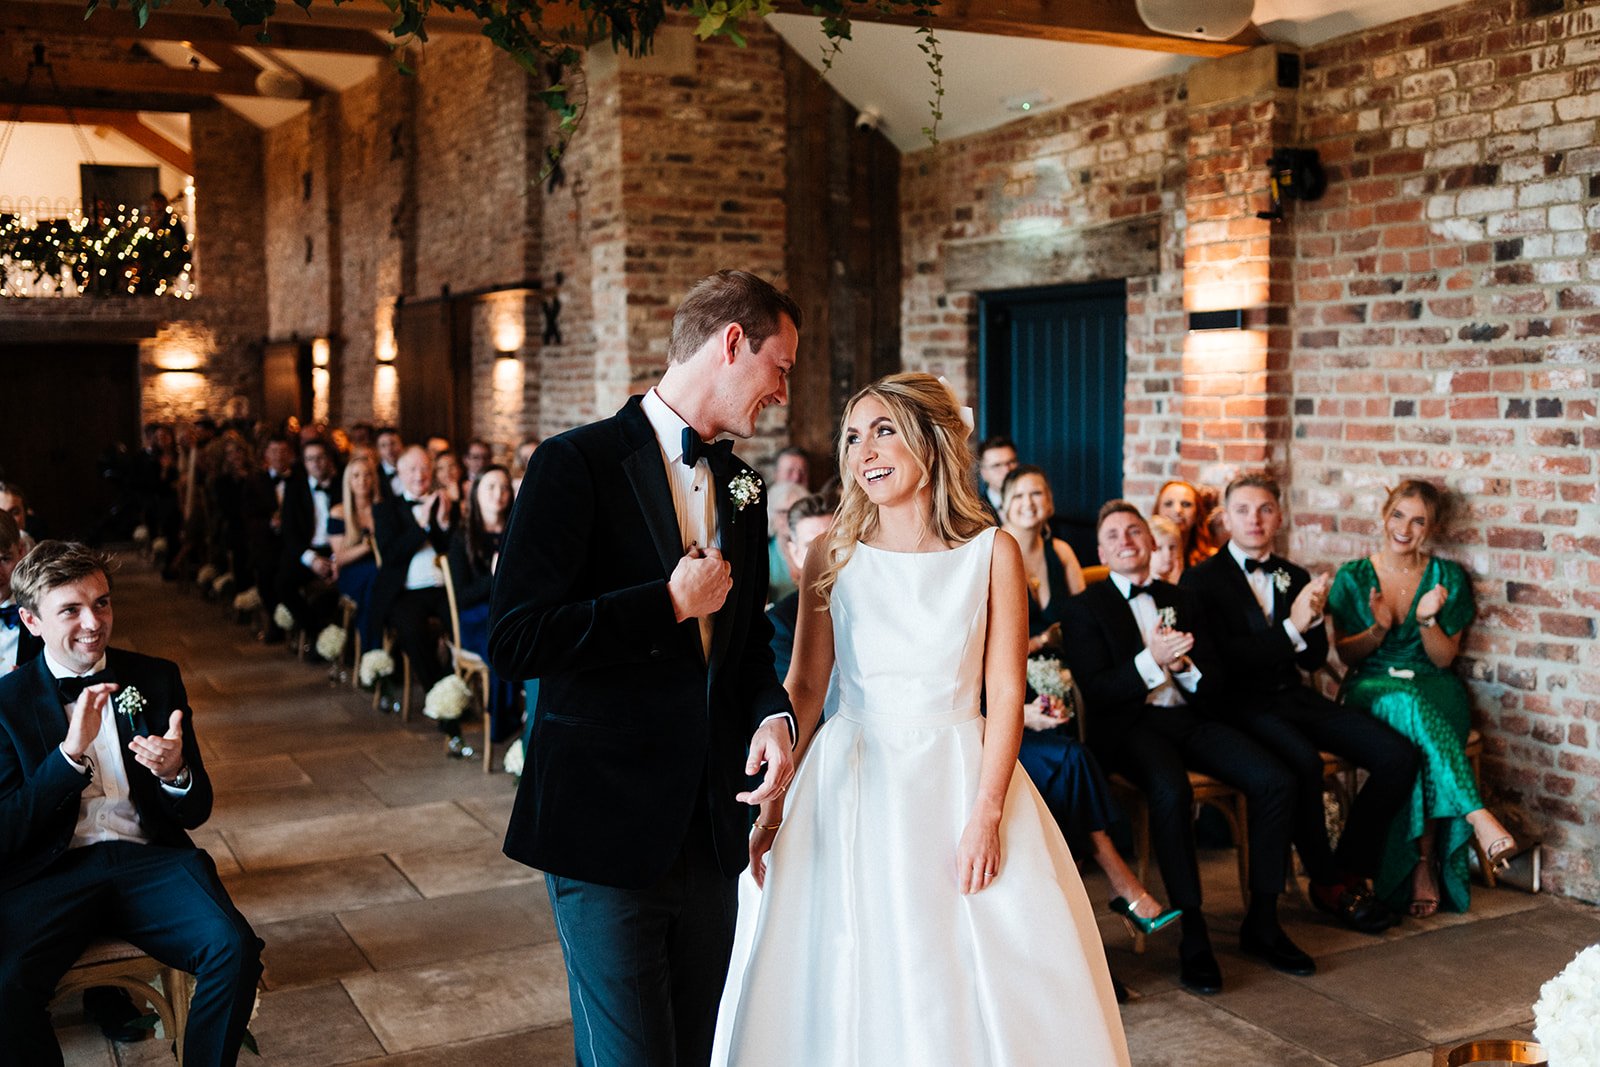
x,y
181,781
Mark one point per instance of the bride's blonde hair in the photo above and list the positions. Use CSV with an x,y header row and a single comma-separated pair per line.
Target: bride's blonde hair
x,y
928,419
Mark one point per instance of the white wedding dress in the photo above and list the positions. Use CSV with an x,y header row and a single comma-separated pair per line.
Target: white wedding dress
x,y
861,950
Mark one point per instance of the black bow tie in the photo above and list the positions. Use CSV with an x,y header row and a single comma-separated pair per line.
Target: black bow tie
x,y
9,617
713,452
274,478
1253,565
322,487
72,688
1139,590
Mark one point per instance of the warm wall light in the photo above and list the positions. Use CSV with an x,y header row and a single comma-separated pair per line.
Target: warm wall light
x,y
320,351
1228,319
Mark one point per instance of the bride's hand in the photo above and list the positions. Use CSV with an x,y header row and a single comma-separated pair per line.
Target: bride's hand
x,y
760,844
978,856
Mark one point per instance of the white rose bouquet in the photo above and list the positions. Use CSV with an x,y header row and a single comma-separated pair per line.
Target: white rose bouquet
x,y
513,761
1565,1019
206,576
374,666
247,601
282,617
330,642
448,699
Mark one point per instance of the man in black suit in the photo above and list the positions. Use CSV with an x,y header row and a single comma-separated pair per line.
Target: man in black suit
x,y
631,585
17,645
305,567
997,457
1140,653
95,809
1265,617
390,445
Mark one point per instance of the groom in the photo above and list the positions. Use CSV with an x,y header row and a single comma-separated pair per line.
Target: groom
x,y
632,583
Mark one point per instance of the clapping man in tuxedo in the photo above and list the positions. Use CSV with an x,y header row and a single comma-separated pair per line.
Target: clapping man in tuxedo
x,y
1139,651
100,782
1266,619
306,572
631,584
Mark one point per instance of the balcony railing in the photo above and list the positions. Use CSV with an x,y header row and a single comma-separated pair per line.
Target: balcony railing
x,y
60,250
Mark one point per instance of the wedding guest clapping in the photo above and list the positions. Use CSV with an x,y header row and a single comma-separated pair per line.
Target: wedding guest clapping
x,y
1399,616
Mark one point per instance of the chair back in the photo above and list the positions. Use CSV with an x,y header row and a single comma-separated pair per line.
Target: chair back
x,y
1098,573
443,564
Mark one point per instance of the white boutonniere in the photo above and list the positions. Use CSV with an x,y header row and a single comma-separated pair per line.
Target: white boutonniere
x,y
744,489
129,701
1280,579
1168,617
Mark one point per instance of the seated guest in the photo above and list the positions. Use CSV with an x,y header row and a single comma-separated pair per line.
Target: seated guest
x,y
413,533
794,466
15,503
807,519
1026,507
437,446
389,448
1398,619
1139,653
450,478
1179,502
263,511
350,532
781,496
524,455
1168,559
997,457
100,781
1216,530
307,571
474,552
18,645
1265,619
478,457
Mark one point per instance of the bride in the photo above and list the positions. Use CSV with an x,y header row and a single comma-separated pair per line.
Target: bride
x,y
919,904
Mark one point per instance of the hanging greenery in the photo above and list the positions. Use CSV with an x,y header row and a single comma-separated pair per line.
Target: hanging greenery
x,y
537,33
125,252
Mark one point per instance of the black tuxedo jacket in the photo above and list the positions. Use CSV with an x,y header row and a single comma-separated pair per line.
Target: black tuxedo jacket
x,y
1100,638
28,646
40,791
297,525
399,537
634,727
1258,655
784,615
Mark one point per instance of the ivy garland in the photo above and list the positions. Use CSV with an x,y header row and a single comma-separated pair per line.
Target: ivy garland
x,y
125,253
519,28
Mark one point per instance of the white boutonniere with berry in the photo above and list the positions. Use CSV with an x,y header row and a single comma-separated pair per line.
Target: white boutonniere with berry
x,y
129,701
1280,580
1169,618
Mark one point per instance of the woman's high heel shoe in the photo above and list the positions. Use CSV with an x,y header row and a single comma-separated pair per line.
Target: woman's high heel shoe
x,y
1122,907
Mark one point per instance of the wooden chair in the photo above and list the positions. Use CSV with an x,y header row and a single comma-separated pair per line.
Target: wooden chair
x,y
352,638
470,667
1098,573
111,962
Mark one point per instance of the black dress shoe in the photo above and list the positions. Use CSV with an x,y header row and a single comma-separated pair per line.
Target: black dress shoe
x,y
1199,973
1360,911
1274,948
113,1011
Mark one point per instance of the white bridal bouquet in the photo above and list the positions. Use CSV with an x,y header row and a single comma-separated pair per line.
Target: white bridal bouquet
x,y
1565,1020
282,617
373,666
513,760
330,642
1049,678
247,601
447,699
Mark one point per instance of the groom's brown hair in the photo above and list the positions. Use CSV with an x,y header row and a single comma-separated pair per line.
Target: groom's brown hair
x,y
52,564
724,297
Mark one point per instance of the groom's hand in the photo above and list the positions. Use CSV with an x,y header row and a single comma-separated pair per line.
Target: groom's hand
x,y
770,745
700,583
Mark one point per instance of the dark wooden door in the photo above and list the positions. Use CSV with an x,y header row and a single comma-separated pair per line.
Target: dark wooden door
x,y
1052,365
68,407
425,364
286,381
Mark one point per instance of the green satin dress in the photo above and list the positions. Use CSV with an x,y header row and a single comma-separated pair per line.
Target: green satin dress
x,y
1399,685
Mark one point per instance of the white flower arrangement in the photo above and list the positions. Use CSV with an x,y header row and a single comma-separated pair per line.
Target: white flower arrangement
x,y
330,642
141,534
448,699
283,618
1281,580
1049,678
1565,1021
221,584
373,666
205,576
1169,618
247,601
744,489
129,701
158,547
513,761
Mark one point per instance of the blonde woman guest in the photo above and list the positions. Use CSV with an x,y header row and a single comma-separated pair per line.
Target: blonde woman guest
x,y
350,534
1052,570
1168,561
919,905
1399,616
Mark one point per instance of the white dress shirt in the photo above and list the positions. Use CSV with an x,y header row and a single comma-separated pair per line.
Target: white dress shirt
x,y
1261,585
105,810
1160,683
320,506
9,638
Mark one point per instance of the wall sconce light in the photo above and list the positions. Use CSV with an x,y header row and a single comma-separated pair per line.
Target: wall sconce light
x,y
1230,319
321,352
385,351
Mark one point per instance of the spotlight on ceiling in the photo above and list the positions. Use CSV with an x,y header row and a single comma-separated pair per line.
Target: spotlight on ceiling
x,y
1206,20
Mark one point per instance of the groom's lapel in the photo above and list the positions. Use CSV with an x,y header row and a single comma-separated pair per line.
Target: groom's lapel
x,y
733,552
649,481
41,707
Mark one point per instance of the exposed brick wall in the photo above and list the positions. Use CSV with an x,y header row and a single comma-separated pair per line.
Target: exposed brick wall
x,y
1445,326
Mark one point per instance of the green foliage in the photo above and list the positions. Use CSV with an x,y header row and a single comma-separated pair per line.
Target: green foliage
x,y
117,254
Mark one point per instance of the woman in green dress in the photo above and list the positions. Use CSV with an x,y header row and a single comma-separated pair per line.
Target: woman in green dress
x,y
1398,618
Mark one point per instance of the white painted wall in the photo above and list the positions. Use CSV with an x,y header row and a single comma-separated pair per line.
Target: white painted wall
x,y
42,163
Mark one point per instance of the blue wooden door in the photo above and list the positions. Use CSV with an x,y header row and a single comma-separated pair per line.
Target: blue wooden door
x,y
1052,365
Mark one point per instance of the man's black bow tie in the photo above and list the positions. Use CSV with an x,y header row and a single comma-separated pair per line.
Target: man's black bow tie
x,y
72,688
275,477
1253,565
1137,590
9,616
322,487
713,452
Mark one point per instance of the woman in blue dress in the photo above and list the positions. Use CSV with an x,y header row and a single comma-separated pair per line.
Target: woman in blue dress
x,y
350,533
1063,770
474,552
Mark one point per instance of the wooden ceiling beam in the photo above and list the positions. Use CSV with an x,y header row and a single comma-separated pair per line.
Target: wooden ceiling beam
x,y
83,101
139,78
130,126
46,20
1103,22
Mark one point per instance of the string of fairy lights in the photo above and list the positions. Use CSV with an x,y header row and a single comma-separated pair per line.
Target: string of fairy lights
x,y
127,251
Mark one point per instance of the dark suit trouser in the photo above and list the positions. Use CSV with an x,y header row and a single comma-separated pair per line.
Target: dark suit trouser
x,y
645,967
409,616
312,600
167,902
1297,725
1156,754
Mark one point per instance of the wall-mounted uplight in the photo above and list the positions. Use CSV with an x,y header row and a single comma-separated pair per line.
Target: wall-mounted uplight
x,y
1229,319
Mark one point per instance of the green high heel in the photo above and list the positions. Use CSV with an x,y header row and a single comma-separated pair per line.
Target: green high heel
x,y
1122,907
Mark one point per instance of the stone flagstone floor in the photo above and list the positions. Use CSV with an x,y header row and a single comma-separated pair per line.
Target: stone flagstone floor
x,y
398,934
